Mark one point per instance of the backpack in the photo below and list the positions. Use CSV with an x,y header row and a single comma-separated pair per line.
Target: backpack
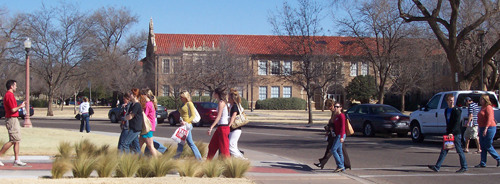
x,y
91,111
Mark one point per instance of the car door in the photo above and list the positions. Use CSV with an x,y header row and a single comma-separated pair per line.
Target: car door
x,y
353,115
441,119
430,114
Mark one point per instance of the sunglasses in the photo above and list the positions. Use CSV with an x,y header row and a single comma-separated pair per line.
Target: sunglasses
x,y
337,106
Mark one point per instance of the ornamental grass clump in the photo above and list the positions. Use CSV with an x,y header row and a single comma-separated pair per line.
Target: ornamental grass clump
x,y
235,167
145,167
128,165
188,153
65,150
162,165
85,147
60,167
189,168
107,164
83,165
213,168
171,151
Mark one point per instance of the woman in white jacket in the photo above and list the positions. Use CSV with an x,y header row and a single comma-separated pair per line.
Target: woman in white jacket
x,y
84,110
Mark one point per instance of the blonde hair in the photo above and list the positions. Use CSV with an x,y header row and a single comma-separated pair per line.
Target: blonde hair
x,y
186,95
152,98
235,96
486,99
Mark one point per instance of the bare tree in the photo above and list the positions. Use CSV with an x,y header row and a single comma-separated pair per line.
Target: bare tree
x,y
328,72
451,29
58,47
299,29
380,33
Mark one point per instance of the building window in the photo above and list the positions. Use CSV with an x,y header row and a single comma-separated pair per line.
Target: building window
x,y
196,93
275,92
176,62
275,67
354,69
364,69
287,67
206,93
263,67
166,66
287,91
166,90
262,92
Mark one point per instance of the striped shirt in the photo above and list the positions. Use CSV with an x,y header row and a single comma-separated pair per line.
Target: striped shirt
x,y
473,109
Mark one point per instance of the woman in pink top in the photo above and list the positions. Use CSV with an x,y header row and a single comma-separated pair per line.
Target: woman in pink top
x,y
150,112
487,130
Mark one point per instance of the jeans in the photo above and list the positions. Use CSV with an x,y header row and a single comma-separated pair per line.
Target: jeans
x,y
189,141
458,146
85,121
337,152
486,146
132,142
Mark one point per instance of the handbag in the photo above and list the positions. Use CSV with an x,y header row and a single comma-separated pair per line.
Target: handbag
x,y
197,117
146,124
348,128
78,117
241,119
181,134
448,143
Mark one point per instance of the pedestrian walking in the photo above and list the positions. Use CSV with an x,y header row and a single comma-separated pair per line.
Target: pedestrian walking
x,y
150,112
85,116
472,127
234,133
487,130
220,139
453,117
134,117
124,125
188,113
12,122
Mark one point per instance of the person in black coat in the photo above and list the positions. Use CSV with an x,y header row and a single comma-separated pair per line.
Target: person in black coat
x,y
453,117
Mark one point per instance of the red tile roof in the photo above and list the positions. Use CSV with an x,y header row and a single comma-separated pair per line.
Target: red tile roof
x,y
253,44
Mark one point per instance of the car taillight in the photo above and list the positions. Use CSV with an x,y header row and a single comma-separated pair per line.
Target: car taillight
x,y
404,118
392,118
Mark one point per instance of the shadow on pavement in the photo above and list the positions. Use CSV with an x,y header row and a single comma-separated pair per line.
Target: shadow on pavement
x,y
288,165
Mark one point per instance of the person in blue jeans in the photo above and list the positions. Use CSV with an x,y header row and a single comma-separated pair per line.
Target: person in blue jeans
x,y
337,128
124,125
453,117
487,130
134,117
187,113
84,110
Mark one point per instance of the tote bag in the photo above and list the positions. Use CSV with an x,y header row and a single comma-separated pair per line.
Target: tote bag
x,y
240,119
181,134
448,143
146,124
197,117
348,128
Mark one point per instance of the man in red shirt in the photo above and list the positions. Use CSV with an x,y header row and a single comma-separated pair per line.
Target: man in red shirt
x,y
12,122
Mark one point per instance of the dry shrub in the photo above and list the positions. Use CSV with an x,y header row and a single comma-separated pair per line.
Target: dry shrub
x,y
145,167
83,165
128,165
107,164
235,167
171,151
65,150
85,147
189,168
163,165
213,168
188,153
60,166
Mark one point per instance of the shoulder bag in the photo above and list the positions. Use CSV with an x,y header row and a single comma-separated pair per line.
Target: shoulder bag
x,y
146,124
348,127
197,117
240,119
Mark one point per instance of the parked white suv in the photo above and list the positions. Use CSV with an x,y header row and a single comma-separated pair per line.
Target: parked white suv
x,y
430,119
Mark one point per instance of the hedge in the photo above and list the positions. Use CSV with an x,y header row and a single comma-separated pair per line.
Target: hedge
x,y
39,103
168,101
293,103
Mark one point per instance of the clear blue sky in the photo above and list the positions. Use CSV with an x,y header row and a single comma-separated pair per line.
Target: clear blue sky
x,y
185,16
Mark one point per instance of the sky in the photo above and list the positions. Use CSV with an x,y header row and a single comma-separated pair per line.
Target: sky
x,y
248,17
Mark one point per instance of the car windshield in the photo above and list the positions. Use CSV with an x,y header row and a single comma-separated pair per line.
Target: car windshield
x,y
208,105
383,109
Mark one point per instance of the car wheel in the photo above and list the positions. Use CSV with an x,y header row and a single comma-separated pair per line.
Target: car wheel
x,y
416,133
113,118
368,130
171,120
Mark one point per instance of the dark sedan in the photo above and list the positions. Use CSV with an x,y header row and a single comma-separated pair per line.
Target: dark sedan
x,y
373,118
114,114
207,111
21,110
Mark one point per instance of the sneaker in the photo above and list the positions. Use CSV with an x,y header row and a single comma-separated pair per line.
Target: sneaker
x,y
1,164
432,167
19,163
462,170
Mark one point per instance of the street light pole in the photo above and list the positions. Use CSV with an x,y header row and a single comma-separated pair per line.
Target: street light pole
x,y
27,121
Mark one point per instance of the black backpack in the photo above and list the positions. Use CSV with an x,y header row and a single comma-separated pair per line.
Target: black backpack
x,y
91,111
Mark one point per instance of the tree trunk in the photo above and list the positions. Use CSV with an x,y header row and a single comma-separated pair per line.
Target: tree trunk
x,y
49,109
380,94
74,112
62,104
403,93
310,109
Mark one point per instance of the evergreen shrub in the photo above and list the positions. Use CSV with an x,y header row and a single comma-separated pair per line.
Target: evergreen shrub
x,y
293,103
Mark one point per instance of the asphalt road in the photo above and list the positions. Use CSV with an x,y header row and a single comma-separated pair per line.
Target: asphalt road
x,y
380,159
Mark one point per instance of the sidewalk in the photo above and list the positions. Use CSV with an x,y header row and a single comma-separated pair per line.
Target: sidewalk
x,y
266,169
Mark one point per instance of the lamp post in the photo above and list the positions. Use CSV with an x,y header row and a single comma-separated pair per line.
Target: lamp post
x,y
27,121
481,33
